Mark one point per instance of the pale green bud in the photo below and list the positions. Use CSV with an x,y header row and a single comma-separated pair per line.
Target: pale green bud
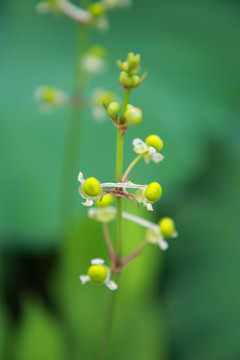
x,y
133,60
125,79
133,115
135,80
113,108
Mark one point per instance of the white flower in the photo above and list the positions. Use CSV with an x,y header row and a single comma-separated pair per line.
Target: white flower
x,y
150,153
98,273
50,98
104,215
154,233
91,189
149,194
94,60
93,64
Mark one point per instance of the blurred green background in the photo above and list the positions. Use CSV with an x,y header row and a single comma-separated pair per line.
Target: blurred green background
x,y
182,304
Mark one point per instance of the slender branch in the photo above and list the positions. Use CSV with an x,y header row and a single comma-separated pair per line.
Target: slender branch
x,y
119,166
75,13
134,254
109,245
130,167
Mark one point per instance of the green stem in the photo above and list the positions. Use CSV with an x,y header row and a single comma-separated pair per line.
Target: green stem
x,y
71,152
130,167
119,166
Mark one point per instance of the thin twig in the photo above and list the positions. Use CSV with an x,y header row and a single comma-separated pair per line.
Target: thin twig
x,y
109,245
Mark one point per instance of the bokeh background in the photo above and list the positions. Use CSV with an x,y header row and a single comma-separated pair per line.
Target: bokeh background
x,y
182,304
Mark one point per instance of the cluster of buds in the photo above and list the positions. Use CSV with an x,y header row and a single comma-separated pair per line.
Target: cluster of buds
x,y
129,78
102,194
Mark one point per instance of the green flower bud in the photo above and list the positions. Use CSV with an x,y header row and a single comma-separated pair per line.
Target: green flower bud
x,y
113,108
133,115
133,60
153,192
125,79
135,80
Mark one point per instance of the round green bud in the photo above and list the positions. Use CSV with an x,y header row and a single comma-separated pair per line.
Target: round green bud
x,y
97,274
125,79
167,227
97,9
92,187
154,141
153,192
135,80
113,108
106,200
133,115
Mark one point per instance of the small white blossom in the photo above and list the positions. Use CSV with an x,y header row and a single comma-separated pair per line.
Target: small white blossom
x,y
50,98
150,153
93,64
89,199
141,198
93,186
154,234
103,215
99,273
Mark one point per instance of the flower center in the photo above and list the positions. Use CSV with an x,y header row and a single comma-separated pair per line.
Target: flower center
x,y
167,227
106,200
154,141
97,274
92,187
153,192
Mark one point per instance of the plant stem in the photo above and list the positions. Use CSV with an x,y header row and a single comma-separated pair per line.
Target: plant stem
x,y
130,167
71,152
119,166
109,244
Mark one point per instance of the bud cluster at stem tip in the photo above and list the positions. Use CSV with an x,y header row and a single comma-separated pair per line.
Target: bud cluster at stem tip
x,y
130,68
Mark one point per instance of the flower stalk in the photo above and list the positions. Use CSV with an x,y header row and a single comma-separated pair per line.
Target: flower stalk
x,y
119,167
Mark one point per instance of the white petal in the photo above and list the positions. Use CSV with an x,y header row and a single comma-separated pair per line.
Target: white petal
x,y
88,202
97,261
147,204
140,195
175,234
81,178
163,244
104,215
147,158
111,285
84,278
139,146
157,157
